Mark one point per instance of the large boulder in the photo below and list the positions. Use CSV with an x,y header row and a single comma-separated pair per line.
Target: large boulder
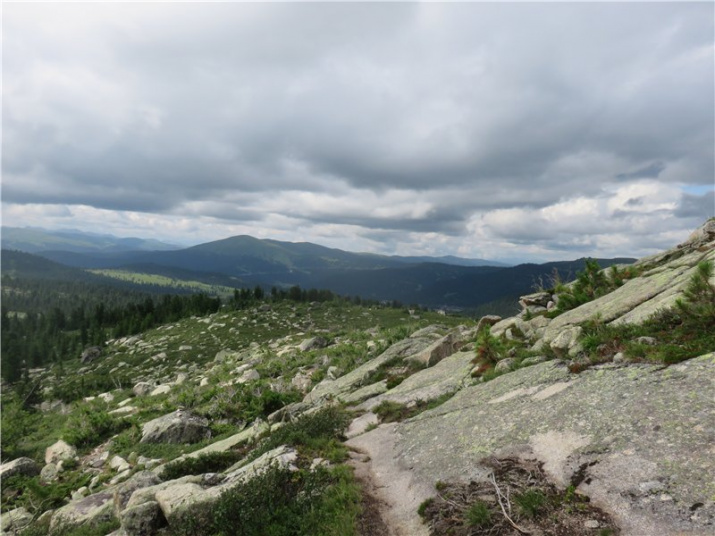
x,y
176,427
59,451
143,388
20,466
90,354
313,343
436,352
14,521
88,511
142,520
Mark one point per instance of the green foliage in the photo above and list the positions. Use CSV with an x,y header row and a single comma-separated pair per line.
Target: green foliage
x,y
101,529
17,422
211,462
681,333
90,424
478,515
389,411
281,502
490,349
530,502
36,496
422,509
314,433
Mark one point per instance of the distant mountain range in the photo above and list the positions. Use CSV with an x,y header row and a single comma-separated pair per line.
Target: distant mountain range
x,y
36,240
245,260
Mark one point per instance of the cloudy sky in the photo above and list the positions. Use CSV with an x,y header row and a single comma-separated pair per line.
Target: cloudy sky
x,y
504,131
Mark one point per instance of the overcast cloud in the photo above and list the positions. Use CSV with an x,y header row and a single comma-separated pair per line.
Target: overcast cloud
x,y
503,131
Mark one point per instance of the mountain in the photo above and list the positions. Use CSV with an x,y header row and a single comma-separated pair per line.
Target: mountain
x,y
34,240
249,261
590,412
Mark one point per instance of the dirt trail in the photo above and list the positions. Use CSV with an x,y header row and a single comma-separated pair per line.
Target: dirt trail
x,y
397,492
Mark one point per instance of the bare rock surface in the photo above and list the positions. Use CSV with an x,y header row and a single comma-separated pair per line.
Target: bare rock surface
x,y
176,427
19,466
612,431
445,377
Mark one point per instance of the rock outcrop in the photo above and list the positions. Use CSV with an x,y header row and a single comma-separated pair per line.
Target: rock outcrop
x,y
176,427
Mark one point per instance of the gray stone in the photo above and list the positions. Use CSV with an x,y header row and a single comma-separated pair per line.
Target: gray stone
x,y
435,352
60,451
313,343
302,382
250,375
650,341
533,360
143,388
539,299
487,320
591,524
566,341
90,354
88,511
160,390
176,427
19,466
119,464
445,377
124,491
332,373
505,364
14,521
49,473
142,520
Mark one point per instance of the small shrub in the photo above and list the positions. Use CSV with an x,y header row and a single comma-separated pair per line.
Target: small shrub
x,y
530,502
389,411
478,515
89,425
422,509
211,462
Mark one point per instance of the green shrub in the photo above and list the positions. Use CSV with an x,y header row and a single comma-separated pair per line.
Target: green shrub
x,y
281,502
530,502
211,462
89,425
478,515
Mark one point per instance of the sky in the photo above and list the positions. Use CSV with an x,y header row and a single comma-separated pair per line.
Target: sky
x,y
513,132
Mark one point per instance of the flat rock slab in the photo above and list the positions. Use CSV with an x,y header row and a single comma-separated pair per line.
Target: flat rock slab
x,y
632,426
445,377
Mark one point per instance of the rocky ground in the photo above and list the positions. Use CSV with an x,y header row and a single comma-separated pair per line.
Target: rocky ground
x,y
613,446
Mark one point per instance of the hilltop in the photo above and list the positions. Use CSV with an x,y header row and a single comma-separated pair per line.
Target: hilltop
x,y
588,412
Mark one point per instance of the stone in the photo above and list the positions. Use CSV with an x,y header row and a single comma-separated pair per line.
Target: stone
x,y
533,360
565,342
204,382
88,511
591,524
160,390
505,365
90,354
143,388
180,378
60,451
249,375
435,352
174,499
487,320
314,343
302,382
13,521
19,466
106,397
332,373
142,520
649,341
176,427
119,464
539,299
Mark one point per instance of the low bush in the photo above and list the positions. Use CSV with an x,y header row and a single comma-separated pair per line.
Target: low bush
x,y
211,462
89,425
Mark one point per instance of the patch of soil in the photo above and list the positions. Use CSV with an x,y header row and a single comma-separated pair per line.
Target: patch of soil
x,y
370,522
517,499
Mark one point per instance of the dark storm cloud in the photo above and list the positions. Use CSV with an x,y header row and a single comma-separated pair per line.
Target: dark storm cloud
x,y
699,207
403,117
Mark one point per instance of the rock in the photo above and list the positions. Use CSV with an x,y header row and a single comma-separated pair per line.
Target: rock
x,y
249,375
591,524
14,521
88,511
348,382
80,493
533,360
119,464
302,382
437,351
505,365
566,342
366,392
185,348
19,466
313,343
160,390
332,373
175,499
539,299
362,423
650,341
124,491
619,358
60,451
204,382
106,397
487,320
143,388
177,427
445,377
142,520
90,354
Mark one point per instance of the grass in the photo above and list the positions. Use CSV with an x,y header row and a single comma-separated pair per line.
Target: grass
x,y
478,515
389,411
